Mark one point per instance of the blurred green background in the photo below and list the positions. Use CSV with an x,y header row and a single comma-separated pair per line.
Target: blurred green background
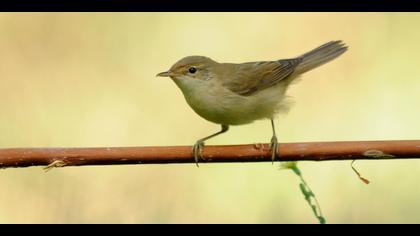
x,y
88,79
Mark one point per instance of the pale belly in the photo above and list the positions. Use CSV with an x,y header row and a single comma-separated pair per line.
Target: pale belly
x,y
222,106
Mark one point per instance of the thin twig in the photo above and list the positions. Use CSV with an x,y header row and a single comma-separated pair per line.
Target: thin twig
x,y
310,151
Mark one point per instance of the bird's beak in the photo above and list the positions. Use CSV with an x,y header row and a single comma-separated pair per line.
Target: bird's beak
x,y
165,74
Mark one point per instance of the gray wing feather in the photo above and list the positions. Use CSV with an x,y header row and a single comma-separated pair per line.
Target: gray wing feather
x,y
256,76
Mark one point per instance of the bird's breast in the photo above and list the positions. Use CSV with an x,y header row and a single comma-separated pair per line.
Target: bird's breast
x,y
217,104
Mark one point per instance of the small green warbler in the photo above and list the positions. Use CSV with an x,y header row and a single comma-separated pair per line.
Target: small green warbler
x,y
237,94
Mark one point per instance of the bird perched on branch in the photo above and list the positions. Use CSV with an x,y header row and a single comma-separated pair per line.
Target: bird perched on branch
x,y
237,94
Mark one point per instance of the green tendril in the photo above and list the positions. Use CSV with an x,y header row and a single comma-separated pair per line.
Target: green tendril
x,y
306,191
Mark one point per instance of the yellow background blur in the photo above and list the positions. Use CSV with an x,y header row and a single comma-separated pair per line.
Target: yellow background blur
x,y
84,79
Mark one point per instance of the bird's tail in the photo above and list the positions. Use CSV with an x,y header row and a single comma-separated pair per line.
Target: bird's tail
x,y
320,56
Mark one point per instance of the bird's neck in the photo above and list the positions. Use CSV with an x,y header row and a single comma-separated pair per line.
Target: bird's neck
x,y
190,87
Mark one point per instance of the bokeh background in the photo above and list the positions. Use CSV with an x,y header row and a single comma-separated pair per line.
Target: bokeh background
x,y
88,79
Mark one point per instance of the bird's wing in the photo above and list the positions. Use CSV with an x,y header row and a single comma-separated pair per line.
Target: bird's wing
x,y
248,78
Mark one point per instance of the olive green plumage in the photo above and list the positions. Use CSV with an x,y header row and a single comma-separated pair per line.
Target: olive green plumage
x,y
237,94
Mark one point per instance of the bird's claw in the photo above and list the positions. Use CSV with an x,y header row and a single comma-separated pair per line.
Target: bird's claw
x,y
274,146
198,151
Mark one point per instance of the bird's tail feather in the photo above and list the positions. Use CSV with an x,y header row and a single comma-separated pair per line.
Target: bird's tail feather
x,y
320,56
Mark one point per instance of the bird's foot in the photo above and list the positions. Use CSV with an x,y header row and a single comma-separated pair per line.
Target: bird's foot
x,y
198,151
274,146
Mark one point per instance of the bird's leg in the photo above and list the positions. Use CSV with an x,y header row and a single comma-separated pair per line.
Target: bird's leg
x,y
198,146
274,145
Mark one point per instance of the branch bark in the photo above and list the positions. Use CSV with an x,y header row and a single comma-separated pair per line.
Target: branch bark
x,y
309,151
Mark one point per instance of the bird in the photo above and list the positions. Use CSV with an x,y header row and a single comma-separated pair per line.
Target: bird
x,y
231,94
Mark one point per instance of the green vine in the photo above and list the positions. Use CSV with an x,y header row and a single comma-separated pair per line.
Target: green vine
x,y
306,191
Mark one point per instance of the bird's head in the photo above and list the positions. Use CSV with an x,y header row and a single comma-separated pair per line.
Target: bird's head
x,y
190,68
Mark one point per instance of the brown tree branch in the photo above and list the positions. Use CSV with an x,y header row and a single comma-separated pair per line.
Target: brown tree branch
x,y
310,151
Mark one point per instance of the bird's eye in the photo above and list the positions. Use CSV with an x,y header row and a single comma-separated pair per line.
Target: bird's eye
x,y
192,70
